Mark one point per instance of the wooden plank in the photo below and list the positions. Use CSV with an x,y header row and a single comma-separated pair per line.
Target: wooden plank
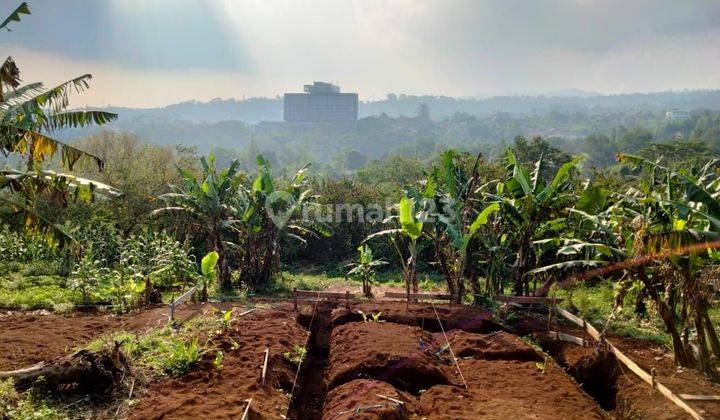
x,y
403,295
524,299
264,368
247,312
246,414
632,365
649,379
690,397
185,296
566,337
173,305
324,295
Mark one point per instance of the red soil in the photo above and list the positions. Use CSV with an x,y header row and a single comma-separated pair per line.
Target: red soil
x,y
506,378
209,393
632,397
27,338
342,402
399,354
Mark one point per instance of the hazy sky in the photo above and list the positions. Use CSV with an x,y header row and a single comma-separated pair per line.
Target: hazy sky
x,y
156,52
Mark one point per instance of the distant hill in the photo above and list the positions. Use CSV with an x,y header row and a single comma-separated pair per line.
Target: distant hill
x,y
391,125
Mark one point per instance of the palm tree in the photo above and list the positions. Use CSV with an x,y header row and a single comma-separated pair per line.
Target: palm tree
x,y
28,113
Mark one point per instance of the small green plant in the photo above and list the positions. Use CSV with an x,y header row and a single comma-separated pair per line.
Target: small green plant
x,y
21,406
181,357
542,367
218,361
297,355
209,273
364,268
226,320
372,317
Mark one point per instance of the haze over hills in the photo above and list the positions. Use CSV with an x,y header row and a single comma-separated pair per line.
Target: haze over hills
x,y
254,110
395,125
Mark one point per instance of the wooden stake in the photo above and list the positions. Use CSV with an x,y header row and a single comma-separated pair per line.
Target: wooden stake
x,y
347,300
295,298
246,414
264,369
653,380
584,337
246,312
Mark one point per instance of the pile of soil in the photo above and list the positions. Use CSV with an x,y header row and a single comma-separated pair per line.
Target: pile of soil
x,y
367,399
398,354
31,337
505,377
208,392
422,315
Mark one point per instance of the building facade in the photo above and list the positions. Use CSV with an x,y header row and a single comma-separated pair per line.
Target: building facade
x,y
321,103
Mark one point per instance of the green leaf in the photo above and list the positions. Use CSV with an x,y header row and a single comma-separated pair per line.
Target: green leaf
x,y
480,220
410,225
23,9
209,261
592,200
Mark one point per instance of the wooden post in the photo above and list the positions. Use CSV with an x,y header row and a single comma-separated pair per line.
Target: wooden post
x,y
295,298
264,369
652,377
347,300
171,311
246,414
584,333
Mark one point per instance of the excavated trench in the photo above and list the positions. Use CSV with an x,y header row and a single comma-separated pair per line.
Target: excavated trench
x,y
353,364
597,373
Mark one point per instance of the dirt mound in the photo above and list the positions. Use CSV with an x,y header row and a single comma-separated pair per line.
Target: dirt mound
x,y
423,316
211,393
367,399
398,354
31,337
495,346
502,389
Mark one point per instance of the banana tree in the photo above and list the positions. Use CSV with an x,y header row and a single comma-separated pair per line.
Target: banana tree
x,y
532,209
208,203
411,228
270,213
453,193
28,114
678,227
365,268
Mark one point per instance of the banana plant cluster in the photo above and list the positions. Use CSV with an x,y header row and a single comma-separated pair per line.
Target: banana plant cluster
x,y
243,222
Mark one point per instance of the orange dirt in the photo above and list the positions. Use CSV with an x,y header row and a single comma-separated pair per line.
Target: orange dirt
x,y
209,393
621,391
27,338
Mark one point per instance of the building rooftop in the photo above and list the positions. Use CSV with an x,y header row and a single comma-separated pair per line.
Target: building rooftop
x,y
321,87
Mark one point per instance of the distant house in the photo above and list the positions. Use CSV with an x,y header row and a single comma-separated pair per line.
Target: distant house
x,y
321,102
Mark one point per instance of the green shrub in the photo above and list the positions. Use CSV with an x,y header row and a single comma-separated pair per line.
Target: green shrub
x,y
180,357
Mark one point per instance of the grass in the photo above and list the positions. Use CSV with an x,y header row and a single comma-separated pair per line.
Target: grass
x,y
313,280
594,303
33,287
165,351
30,405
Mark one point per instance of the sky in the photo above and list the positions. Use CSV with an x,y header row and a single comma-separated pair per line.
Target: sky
x,y
147,53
